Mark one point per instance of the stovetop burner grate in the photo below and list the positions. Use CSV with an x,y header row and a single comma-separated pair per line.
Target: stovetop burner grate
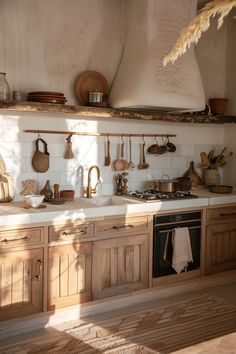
x,y
150,195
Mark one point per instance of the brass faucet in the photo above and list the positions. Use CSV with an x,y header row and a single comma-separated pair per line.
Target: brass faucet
x,y
91,190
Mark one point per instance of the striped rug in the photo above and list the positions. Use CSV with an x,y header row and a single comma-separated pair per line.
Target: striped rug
x,y
158,330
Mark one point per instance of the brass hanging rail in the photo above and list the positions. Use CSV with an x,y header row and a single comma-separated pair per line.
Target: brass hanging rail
x,y
97,134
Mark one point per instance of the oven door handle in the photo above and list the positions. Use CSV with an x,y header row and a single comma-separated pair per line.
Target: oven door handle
x,y
190,228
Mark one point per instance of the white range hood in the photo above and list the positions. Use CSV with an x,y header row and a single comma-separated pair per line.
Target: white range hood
x,y
152,27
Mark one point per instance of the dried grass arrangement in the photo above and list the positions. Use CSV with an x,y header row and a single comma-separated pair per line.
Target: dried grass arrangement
x,y
192,33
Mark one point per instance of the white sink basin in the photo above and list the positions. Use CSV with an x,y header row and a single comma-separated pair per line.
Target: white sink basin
x,y
107,201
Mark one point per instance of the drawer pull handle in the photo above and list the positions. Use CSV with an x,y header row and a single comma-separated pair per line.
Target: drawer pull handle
x,y
38,275
6,241
227,214
83,231
118,227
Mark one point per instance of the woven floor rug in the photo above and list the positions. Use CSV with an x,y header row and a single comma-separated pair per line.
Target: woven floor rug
x,y
158,329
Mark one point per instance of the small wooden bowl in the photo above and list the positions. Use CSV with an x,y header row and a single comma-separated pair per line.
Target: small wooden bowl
x,y
67,194
221,189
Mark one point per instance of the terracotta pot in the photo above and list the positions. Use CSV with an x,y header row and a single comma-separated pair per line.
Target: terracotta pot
x,y
218,105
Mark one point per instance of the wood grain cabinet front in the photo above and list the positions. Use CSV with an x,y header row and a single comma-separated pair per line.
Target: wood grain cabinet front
x,y
21,283
120,226
69,274
119,265
220,247
21,237
70,232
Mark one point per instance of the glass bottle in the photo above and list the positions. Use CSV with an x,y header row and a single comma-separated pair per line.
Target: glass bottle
x,y
4,88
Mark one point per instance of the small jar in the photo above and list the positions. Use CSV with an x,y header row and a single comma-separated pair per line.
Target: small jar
x,y
4,88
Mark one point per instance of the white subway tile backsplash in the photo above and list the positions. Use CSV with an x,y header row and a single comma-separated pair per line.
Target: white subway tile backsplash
x,y
179,163
187,150
17,149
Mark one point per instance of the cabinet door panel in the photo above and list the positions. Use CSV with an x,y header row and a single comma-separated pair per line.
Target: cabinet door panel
x,y
69,275
220,247
20,283
119,265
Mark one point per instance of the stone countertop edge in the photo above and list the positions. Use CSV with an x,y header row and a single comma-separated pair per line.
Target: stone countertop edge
x,y
14,213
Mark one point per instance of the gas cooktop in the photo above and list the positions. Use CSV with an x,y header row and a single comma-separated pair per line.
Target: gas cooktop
x,y
152,196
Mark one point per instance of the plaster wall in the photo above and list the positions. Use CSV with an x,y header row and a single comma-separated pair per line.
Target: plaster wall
x,y
45,45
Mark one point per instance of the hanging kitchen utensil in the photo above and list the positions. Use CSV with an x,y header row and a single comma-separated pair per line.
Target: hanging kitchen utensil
x,y
121,164
194,176
108,156
170,146
69,153
131,164
143,165
40,161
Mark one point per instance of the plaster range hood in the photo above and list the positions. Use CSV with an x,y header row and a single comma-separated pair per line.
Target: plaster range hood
x,y
142,82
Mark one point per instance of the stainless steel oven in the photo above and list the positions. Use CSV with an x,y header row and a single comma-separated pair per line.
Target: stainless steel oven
x,y
163,226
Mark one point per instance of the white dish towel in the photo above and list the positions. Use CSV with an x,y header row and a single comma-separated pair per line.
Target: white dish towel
x,y
182,252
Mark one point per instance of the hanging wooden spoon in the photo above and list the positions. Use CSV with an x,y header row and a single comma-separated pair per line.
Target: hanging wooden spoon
x,y
131,164
143,165
121,164
108,156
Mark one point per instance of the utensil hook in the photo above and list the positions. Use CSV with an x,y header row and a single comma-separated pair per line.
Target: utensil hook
x,y
68,139
122,138
108,140
39,136
143,141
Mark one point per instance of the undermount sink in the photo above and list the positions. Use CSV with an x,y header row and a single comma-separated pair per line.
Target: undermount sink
x,y
108,201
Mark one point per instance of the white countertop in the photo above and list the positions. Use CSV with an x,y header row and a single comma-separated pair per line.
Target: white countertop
x,y
14,213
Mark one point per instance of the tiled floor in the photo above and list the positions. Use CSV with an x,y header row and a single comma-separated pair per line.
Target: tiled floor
x,y
201,322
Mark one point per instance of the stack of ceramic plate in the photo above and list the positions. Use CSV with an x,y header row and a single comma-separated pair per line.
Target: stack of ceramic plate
x,y
46,97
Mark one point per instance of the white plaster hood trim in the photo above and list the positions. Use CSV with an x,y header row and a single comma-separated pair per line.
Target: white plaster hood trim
x,y
152,27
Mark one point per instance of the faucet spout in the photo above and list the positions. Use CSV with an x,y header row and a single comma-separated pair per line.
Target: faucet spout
x,y
91,190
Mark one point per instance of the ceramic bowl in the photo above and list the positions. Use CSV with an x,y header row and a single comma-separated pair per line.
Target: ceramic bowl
x,y
34,200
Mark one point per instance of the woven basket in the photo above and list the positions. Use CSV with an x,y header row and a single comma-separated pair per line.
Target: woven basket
x,y
40,161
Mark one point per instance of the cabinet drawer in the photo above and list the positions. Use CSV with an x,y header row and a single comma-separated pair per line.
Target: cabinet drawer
x,y
11,238
222,213
70,232
120,226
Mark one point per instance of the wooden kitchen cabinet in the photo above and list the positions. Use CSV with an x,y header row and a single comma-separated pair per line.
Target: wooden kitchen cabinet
x,y
220,247
221,239
119,265
69,274
21,283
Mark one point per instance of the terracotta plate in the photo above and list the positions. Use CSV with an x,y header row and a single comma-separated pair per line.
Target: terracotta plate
x,y
90,81
45,93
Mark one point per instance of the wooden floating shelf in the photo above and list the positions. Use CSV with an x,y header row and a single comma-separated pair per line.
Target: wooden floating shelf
x,y
97,112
